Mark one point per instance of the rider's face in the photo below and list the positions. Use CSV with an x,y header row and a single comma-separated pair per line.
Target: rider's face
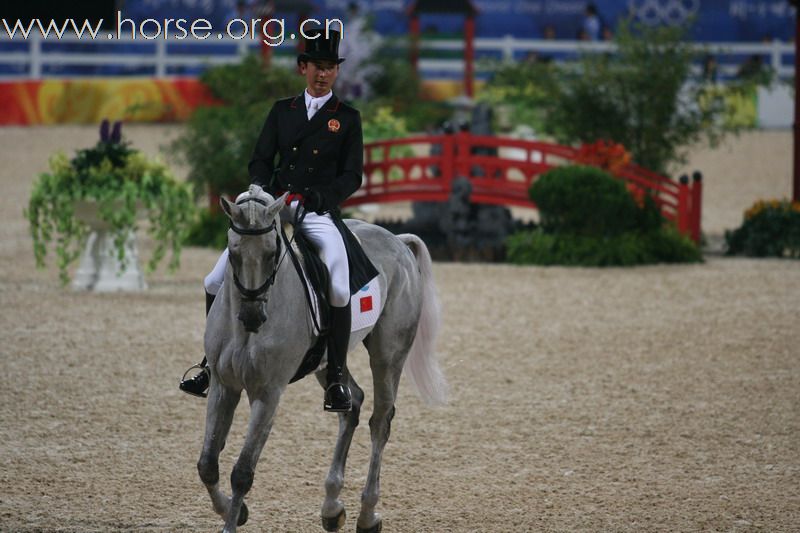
x,y
320,76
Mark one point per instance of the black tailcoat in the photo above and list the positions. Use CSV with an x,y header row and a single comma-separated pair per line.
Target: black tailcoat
x,y
325,154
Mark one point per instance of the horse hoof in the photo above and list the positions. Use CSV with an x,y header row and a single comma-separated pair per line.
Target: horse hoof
x,y
335,523
374,529
244,514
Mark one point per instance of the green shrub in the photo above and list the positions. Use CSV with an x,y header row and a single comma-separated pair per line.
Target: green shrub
x,y
588,201
770,229
209,228
124,184
664,245
382,123
588,218
667,245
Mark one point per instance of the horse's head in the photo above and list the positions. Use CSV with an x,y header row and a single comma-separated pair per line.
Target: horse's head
x,y
253,250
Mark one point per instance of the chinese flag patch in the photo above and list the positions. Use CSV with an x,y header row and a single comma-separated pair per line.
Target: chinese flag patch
x,y
366,304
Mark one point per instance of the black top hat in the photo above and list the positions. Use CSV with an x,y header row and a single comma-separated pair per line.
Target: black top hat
x,y
320,47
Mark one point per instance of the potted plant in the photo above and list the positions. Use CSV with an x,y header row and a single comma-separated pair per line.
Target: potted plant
x,y
94,201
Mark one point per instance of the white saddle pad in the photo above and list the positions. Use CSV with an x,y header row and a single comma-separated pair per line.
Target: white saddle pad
x,y
365,305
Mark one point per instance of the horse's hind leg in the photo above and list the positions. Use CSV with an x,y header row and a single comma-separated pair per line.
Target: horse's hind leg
x,y
262,414
387,355
333,514
222,403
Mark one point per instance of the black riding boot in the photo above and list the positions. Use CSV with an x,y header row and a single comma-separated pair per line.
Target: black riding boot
x,y
337,394
198,384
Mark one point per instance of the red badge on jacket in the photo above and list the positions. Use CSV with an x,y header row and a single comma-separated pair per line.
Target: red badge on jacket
x,y
333,125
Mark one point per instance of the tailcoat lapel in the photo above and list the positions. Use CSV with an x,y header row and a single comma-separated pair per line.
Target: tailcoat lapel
x,y
299,112
321,117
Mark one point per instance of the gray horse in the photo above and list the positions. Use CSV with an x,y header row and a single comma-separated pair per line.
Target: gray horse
x,y
260,327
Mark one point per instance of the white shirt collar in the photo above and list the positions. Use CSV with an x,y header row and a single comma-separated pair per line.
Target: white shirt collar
x,y
320,101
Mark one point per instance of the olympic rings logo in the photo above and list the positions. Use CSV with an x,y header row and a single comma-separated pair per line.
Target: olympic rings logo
x,y
672,12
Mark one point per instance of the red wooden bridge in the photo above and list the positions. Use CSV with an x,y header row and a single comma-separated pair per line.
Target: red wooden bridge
x,y
395,171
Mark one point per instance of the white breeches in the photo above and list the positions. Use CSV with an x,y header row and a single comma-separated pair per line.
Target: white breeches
x,y
213,282
323,234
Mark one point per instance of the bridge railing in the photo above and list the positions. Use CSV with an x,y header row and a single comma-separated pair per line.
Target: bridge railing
x,y
501,171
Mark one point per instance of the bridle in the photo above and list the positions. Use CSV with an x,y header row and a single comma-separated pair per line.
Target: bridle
x,y
255,294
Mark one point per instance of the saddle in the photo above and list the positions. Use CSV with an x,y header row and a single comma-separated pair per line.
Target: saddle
x,y
362,271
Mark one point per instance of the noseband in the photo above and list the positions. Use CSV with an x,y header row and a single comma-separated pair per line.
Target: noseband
x,y
255,294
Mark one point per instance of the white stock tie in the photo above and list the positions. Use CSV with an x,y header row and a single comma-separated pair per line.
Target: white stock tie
x,y
312,109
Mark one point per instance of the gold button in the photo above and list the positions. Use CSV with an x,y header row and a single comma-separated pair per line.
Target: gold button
x,y
311,169
291,167
294,148
315,151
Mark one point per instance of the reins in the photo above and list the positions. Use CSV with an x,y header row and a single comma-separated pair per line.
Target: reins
x,y
298,219
255,294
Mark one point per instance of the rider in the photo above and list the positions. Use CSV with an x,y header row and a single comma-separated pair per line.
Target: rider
x,y
319,143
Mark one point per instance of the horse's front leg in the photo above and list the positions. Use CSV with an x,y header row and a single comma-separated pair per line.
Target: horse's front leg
x,y
333,514
262,413
222,403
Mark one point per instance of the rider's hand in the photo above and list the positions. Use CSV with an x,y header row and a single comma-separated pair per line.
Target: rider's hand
x,y
312,200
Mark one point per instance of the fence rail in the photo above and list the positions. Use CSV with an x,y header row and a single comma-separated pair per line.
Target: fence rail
x,y
37,57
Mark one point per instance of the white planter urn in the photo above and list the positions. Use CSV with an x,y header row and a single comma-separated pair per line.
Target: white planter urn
x,y
99,269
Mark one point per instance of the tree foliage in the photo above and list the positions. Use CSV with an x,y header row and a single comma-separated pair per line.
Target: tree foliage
x,y
218,141
393,83
643,96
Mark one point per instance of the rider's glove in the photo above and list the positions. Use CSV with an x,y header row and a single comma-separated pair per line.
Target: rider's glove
x,y
312,200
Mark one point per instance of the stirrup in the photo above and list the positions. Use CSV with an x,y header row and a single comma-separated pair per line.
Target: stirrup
x,y
345,403
184,381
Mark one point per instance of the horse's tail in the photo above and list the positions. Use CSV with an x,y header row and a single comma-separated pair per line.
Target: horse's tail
x,y
422,364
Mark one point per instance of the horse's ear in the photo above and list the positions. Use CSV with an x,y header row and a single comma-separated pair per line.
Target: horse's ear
x,y
276,206
226,206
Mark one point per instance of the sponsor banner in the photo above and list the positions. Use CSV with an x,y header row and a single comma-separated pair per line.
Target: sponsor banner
x,y
90,100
